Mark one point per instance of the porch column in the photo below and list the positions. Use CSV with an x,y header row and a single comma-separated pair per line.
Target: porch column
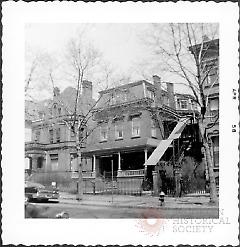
x,y
119,161
47,161
94,163
145,154
145,167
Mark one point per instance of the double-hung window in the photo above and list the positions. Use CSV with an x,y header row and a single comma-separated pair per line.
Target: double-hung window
x,y
54,162
58,135
37,136
216,151
212,76
51,135
183,104
118,131
214,108
135,127
150,94
103,133
153,129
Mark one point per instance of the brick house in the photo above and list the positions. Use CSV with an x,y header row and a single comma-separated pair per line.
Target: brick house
x,y
210,69
50,149
128,124
128,129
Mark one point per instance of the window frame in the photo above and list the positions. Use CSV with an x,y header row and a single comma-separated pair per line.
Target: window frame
x,y
51,136
102,138
153,129
150,94
180,104
58,135
135,121
37,135
117,127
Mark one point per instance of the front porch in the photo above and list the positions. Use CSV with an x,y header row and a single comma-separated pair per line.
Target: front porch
x,y
122,172
118,165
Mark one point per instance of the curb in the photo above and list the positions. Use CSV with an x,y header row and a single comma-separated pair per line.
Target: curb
x,y
140,206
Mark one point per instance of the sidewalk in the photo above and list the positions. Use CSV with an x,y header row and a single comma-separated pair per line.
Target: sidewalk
x,y
145,201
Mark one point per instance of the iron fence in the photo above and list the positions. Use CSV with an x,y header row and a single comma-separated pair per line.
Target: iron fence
x,y
112,184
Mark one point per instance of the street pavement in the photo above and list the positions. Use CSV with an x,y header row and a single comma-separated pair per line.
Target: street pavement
x,y
76,211
124,206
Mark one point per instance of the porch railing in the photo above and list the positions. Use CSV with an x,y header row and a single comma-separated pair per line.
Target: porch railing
x,y
131,173
86,174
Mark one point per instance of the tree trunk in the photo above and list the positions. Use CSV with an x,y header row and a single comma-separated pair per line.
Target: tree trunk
x,y
80,177
209,163
212,185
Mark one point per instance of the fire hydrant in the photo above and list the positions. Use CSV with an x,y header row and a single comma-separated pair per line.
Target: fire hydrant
x,y
161,198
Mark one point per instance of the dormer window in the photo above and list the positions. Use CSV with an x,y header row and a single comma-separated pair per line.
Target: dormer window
x,y
150,94
182,104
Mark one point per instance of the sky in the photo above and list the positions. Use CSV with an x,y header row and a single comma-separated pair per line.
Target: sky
x,y
121,45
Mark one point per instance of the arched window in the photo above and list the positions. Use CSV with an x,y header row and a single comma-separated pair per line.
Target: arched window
x,y
54,110
40,162
59,111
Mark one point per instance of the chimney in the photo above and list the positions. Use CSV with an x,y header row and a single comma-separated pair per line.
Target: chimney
x,y
157,84
87,89
170,91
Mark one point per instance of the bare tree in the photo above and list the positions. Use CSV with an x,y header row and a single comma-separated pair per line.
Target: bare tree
x,y
40,69
182,50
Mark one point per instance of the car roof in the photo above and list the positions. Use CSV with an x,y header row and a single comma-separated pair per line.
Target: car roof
x,y
32,184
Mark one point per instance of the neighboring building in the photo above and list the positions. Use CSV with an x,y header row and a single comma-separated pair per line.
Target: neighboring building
x,y
185,102
210,68
51,146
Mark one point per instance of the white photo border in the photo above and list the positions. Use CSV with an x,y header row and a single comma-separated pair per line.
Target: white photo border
x,y
16,229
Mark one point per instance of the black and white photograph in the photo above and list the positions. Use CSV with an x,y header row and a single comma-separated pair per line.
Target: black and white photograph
x,y
124,121
121,118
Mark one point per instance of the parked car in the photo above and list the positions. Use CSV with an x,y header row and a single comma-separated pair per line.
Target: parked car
x,y
36,191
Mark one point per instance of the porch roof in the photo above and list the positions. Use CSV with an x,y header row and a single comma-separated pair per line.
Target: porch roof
x,y
141,144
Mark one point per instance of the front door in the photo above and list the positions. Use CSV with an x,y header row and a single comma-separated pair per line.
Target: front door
x,y
105,164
